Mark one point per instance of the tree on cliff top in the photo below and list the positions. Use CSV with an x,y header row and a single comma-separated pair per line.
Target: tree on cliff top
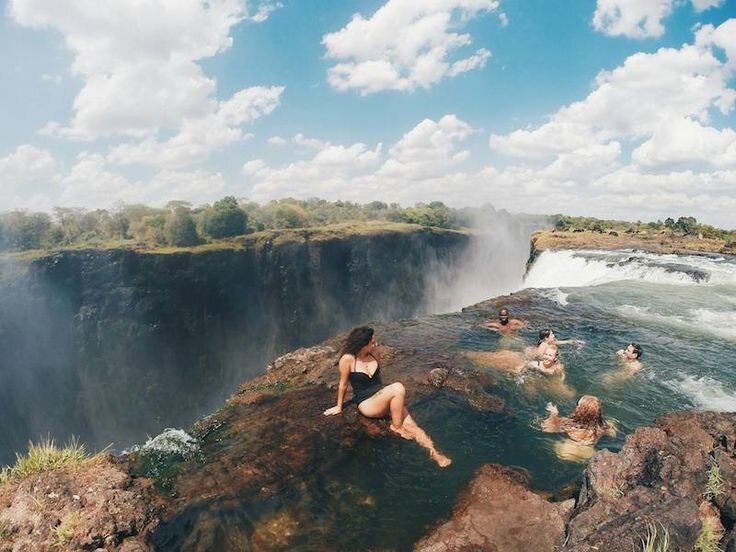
x,y
225,219
180,229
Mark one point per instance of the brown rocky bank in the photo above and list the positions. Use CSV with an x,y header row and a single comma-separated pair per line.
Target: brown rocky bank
x,y
658,480
652,241
96,506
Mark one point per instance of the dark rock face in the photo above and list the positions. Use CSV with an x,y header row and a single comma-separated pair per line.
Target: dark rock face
x,y
659,477
111,345
499,513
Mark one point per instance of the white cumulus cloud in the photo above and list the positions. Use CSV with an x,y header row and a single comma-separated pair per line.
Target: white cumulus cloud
x,y
25,166
404,45
639,18
139,63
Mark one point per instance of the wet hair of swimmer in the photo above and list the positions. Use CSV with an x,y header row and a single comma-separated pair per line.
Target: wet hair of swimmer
x,y
357,339
637,349
503,316
543,334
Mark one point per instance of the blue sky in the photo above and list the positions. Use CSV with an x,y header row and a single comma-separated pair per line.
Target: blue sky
x,y
610,108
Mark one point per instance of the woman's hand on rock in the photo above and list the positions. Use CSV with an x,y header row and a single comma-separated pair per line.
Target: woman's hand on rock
x,y
332,411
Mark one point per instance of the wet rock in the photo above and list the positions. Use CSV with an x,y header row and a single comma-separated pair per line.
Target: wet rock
x,y
659,476
97,505
499,513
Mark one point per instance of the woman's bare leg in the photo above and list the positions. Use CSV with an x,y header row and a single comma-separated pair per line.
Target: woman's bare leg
x,y
391,400
421,437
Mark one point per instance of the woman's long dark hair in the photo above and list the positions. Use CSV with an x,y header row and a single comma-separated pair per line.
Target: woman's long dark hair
x,y
357,339
543,334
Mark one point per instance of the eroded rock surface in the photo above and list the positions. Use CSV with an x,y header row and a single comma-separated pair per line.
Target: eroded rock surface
x,y
663,479
660,476
96,506
499,513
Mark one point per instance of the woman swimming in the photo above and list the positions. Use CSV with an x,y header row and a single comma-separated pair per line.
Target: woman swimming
x,y
360,364
549,364
585,425
547,338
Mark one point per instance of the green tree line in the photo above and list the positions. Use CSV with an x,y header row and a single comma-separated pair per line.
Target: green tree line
x,y
181,224
683,226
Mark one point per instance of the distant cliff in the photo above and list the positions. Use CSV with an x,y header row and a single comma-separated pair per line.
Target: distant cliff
x,y
662,242
112,344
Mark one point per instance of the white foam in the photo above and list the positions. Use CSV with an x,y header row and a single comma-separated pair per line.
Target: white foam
x,y
703,321
707,393
556,295
169,441
567,268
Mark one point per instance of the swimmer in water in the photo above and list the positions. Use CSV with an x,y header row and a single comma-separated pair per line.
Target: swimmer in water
x,y
630,364
360,365
549,364
584,427
547,338
631,357
505,325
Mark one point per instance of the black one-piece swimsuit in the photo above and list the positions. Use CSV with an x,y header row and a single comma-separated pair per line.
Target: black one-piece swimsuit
x,y
365,386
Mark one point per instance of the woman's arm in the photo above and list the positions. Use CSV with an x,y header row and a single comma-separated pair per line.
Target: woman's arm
x,y
551,424
578,342
344,367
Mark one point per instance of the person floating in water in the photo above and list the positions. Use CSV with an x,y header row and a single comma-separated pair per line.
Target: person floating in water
x,y
584,427
547,338
505,325
360,365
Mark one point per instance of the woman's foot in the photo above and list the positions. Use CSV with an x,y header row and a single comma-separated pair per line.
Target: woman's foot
x,y
442,460
402,431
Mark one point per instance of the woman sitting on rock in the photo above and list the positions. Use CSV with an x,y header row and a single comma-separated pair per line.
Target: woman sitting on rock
x,y
360,364
584,427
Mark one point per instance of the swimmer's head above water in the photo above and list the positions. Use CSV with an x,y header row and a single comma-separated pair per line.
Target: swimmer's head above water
x,y
550,355
546,335
588,412
503,316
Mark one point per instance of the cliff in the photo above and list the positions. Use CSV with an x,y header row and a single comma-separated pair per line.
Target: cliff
x,y
112,344
652,241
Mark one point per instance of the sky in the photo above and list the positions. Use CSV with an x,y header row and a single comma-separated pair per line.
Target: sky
x,y
609,108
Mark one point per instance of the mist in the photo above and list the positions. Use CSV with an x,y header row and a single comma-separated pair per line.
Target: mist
x,y
493,264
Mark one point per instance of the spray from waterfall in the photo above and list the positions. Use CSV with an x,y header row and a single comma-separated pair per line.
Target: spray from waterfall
x,y
493,264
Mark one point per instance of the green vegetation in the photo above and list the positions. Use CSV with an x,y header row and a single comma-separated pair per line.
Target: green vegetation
x,y
179,224
4,531
611,492
683,226
708,539
65,531
656,541
42,457
714,483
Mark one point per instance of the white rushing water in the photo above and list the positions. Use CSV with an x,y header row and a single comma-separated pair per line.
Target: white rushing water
x,y
706,393
566,268
720,323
